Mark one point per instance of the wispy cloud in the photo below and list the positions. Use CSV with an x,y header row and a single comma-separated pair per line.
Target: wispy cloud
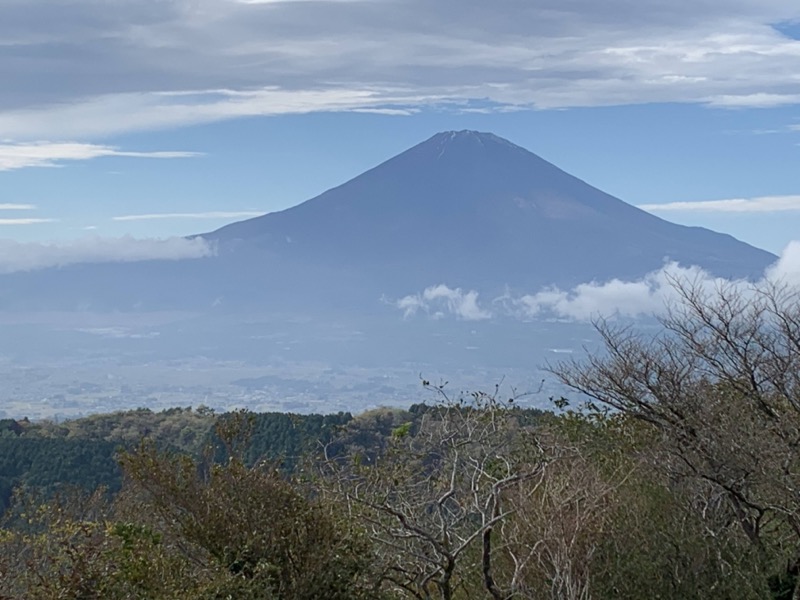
x,y
20,256
756,100
101,115
242,214
17,207
762,204
279,57
52,154
25,221
388,111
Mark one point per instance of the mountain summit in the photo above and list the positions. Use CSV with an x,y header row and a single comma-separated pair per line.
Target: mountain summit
x,y
463,208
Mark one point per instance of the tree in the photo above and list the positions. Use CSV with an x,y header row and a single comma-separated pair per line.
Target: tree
x,y
70,546
720,386
435,502
184,528
258,530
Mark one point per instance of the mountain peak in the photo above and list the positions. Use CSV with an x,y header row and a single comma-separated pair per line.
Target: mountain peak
x,y
467,147
464,134
468,136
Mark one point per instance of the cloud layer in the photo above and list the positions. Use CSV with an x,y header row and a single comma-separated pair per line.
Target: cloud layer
x,y
20,256
84,68
647,296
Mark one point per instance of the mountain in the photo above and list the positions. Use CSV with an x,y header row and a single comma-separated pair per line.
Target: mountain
x,y
473,209
463,208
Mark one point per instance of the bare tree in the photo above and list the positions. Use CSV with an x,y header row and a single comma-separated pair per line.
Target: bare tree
x,y
434,504
558,525
473,501
721,385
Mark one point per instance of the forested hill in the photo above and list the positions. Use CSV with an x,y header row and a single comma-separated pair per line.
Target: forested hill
x,y
82,452
46,455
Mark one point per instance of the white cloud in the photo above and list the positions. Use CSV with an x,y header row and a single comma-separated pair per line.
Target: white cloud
x,y
119,333
612,298
757,100
17,207
157,64
788,266
29,256
242,214
51,154
404,112
440,300
761,204
25,221
101,115
647,296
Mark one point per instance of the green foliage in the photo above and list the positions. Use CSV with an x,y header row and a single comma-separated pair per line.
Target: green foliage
x,y
68,547
181,428
256,530
82,452
47,463
402,431
182,530
288,438
10,428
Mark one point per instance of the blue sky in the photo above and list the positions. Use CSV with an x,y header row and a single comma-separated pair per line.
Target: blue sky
x,y
159,118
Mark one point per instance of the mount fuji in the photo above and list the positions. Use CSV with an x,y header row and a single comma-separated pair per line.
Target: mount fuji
x,y
464,208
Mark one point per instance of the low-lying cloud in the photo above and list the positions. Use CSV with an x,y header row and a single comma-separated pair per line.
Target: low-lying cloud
x,y
439,300
647,296
30,256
